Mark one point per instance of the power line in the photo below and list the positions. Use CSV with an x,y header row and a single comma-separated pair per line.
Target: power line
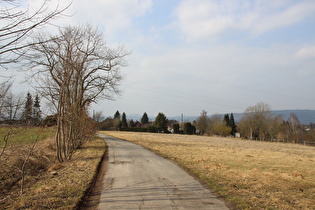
x,y
223,84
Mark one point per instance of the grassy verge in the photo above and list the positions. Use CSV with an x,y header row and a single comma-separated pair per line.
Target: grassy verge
x,y
249,174
48,184
65,184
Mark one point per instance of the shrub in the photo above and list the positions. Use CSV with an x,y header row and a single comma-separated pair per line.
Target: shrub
x,y
134,129
151,129
176,128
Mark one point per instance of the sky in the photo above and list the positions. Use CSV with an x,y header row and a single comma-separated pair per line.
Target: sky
x,y
221,56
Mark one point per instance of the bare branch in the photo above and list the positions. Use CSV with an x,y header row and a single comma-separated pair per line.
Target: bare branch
x,y
17,24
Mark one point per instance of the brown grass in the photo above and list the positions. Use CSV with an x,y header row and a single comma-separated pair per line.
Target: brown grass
x,y
248,174
49,184
65,184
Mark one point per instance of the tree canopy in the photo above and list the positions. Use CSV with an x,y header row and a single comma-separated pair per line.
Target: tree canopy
x,y
256,120
124,123
28,109
202,123
144,119
117,115
161,122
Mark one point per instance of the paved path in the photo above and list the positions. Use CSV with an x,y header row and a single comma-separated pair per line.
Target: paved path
x,y
138,179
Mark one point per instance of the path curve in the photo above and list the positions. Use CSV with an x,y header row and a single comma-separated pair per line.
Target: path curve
x,y
137,178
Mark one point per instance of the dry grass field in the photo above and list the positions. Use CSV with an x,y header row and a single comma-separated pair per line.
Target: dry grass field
x,y
248,174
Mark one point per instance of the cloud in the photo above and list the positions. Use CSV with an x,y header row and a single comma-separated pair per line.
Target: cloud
x,y
219,79
202,18
284,16
306,52
113,15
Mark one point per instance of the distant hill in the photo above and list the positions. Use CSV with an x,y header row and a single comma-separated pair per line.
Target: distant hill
x,y
305,116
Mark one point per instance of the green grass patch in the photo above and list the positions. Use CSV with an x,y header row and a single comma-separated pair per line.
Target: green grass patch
x,y
25,135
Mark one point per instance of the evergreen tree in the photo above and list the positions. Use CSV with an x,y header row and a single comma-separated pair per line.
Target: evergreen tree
x,y
116,120
131,123
28,109
36,110
161,122
232,125
124,121
189,128
175,128
144,119
229,122
117,115
226,120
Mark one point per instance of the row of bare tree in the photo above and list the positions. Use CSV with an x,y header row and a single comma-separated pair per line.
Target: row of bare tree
x,y
259,123
14,109
10,104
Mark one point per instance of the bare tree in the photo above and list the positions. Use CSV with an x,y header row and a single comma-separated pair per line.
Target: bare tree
x,y
275,128
12,106
202,122
295,127
5,87
75,69
97,116
258,119
245,128
16,25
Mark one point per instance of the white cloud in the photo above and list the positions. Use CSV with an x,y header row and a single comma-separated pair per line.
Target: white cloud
x,y
306,52
201,18
290,15
113,14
